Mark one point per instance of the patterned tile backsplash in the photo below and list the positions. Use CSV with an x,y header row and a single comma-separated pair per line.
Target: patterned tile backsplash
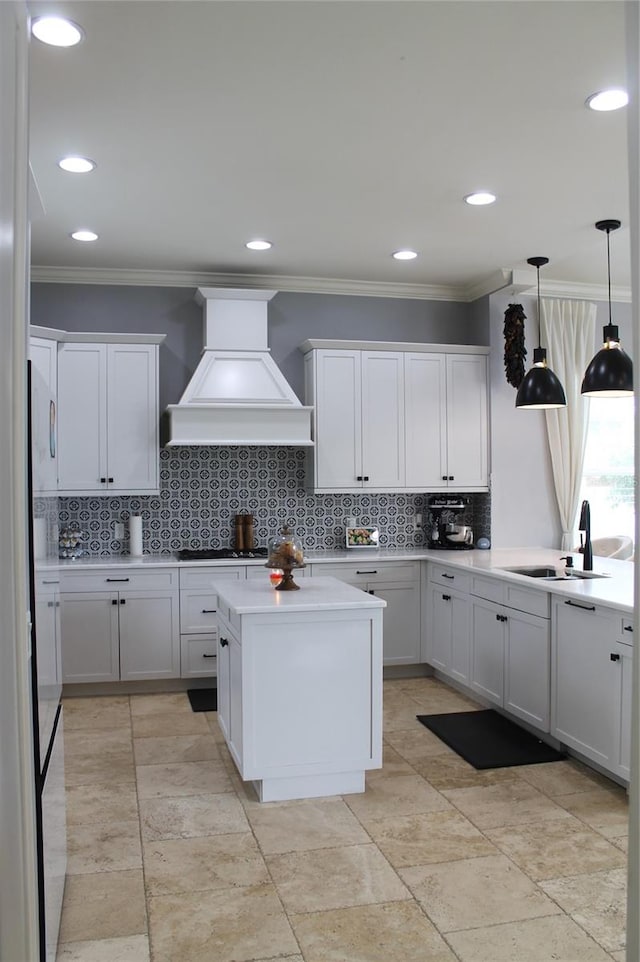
x,y
201,489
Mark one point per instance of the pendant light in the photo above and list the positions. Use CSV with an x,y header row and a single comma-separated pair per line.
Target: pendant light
x,y
610,373
540,388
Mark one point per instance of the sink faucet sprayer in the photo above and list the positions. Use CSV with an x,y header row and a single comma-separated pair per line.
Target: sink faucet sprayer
x,y
585,547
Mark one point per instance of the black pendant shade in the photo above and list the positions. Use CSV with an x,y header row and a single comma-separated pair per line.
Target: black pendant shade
x,y
540,388
610,373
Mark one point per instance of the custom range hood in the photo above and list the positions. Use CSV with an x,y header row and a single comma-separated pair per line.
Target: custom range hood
x,y
237,394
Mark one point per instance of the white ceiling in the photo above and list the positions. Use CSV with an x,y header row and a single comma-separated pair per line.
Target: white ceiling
x,y
339,130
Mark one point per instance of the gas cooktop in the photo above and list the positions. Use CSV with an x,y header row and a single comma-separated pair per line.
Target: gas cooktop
x,y
213,554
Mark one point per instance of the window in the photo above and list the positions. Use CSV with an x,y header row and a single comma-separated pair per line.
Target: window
x,y
608,481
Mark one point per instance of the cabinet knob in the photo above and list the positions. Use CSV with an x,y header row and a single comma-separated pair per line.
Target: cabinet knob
x,y
224,642
498,617
451,478
446,597
358,477
103,480
371,591
444,477
122,601
366,477
114,601
110,480
614,656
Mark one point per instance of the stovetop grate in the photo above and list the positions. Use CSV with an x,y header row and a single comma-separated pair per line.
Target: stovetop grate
x,y
215,554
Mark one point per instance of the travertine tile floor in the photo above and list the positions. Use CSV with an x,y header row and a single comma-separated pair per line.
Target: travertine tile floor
x,y
171,858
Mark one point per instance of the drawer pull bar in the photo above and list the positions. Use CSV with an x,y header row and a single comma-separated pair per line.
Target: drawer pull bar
x,y
574,604
374,572
224,642
208,656
208,611
57,583
450,577
116,579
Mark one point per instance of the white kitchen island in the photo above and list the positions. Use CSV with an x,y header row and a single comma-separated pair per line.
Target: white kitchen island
x,y
300,685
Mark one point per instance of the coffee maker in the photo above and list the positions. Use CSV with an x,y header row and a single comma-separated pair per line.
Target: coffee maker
x,y
448,529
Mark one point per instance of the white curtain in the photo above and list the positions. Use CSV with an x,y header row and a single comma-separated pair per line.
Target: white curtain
x,y
568,331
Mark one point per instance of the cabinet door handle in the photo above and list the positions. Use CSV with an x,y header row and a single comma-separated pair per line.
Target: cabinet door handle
x,y
122,601
446,597
574,604
358,477
208,656
374,572
103,480
444,477
626,627
498,617
614,657
371,591
450,577
116,579
504,618
208,611
114,601
51,604
451,478
224,642
110,480
366,477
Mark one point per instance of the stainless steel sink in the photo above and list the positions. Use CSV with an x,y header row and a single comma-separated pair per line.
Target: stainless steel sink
x,y
551,574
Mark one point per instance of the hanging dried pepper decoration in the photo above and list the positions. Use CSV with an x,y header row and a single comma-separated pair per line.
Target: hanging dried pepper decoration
x,y
514,350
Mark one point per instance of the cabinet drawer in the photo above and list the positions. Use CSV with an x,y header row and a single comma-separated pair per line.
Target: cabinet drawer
x,y
491,589
204,575
533,602
370,572
198,611
198,655
119,579
626,634
442,575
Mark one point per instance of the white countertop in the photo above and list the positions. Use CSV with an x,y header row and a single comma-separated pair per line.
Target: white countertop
x,y
315,594
615,591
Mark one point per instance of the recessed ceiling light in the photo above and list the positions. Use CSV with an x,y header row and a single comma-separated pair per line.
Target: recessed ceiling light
x,y
258,245
56,31
84,235
480,198
77,165
611,99
404,255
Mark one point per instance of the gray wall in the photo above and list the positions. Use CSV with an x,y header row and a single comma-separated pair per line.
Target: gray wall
x,y
292,319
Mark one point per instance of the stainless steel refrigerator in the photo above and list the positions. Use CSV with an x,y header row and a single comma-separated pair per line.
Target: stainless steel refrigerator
x,y
46,667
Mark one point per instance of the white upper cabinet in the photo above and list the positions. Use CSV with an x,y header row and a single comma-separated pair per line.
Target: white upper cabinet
x,y
447,422
108,417
44,395
397,420
358,400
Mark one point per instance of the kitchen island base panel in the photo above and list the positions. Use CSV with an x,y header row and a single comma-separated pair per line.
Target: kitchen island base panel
x,y
309,786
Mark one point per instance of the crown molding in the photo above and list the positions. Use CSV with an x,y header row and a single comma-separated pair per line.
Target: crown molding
x,y
281,282
514,279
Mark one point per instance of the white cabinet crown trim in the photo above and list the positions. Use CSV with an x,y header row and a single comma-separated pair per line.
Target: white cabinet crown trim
x,y
312,344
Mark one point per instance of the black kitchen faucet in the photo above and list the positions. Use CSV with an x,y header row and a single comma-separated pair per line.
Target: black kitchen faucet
x,y
585,546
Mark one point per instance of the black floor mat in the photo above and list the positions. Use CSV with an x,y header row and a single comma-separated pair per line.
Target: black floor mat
x,y
203,699
486,739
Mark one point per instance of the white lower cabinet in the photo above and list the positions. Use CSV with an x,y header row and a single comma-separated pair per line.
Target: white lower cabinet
x,y
119,626
449,632
591,677
199,617
230,689
510,649
397,583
